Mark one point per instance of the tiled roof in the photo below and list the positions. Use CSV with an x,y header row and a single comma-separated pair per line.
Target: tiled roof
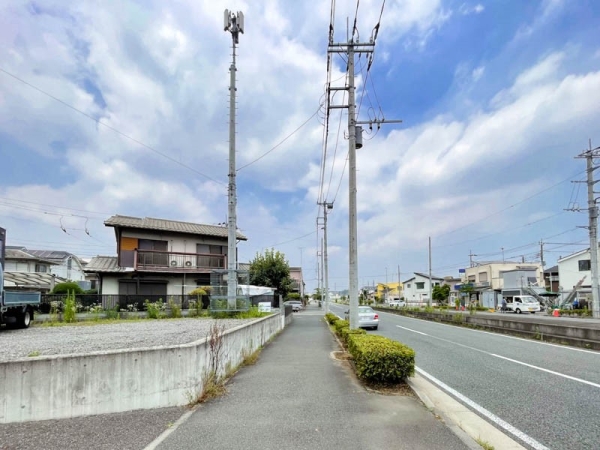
x,y
24,254
148,223
51,254
103,264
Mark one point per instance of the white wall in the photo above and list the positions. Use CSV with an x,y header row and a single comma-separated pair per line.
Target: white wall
x,y
414,295
569,274
74,274
57,387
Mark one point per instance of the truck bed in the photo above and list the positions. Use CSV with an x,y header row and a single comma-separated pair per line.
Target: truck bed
x,y
21,298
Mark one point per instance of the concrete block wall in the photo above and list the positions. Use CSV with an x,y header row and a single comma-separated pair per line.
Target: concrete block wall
x,y
57,387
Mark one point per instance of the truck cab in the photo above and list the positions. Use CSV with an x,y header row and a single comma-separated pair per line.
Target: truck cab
x,y
522,303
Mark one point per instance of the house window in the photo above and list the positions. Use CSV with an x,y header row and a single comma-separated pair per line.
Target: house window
x,y
584,264
43,268
471,279
420,285
155,254
483,277
408,286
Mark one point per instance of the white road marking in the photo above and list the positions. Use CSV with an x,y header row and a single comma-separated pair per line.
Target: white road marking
x,y
414,331
548,371
569,377
575,349
484,412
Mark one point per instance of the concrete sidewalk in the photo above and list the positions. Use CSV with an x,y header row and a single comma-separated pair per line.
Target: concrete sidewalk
x,y
297,396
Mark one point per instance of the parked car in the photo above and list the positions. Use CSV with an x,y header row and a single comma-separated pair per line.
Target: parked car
x,y
367,317
397,303
296,305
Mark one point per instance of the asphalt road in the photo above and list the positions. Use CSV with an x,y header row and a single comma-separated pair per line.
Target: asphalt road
x,y
547,395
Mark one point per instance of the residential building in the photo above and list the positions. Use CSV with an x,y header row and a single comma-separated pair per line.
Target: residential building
x,y
574,272
389,291
24,271
416,289
159,257
488,275
67,265
551,279
454,284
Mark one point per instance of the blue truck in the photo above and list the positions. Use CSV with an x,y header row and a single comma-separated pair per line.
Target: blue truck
x,y
16,308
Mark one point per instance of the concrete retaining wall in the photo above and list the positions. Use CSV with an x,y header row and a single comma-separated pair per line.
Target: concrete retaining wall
x,y
578,336
58,387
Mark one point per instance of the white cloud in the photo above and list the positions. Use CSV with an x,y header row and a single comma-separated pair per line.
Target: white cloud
x,y
466,10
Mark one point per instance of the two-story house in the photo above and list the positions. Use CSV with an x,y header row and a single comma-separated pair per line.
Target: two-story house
x,y
158,257
574,273
67,265
297,281
488,275
416,289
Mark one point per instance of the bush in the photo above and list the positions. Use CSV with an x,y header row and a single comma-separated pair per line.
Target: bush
x,y
340,324
66,288
331,318
154,309
70,308
346,332
381,360
174,310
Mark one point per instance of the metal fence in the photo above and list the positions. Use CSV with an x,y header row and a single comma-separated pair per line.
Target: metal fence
x,y
137,302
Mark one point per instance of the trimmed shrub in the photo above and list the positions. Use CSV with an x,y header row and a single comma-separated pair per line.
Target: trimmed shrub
x,y
381,360
345,332
66,288
339,324
331,318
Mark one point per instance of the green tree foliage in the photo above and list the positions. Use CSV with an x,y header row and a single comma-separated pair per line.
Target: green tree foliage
x,y
441,293
271,270
65,288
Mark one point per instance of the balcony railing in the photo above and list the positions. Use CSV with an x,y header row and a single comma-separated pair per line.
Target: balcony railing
x,y
177,261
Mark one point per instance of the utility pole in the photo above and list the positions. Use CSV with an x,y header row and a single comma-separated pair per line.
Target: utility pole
x,y
430,282
322,274
471,257
399,294
589,155
234,23
502,248
326,206
350,49
543,263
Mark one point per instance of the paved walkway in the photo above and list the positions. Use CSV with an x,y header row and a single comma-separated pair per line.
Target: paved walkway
x,y
298,397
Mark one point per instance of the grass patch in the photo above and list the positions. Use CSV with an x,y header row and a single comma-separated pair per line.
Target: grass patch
x,y
484,444
34,353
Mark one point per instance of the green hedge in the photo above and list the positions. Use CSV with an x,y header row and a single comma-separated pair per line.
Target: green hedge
x,y
381,360
340,324
331,318
346,331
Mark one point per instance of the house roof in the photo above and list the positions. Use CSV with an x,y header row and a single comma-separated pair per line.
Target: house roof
x,y
23,254
31,280
424,276
552,269
175,226
573,255
103,264
52,255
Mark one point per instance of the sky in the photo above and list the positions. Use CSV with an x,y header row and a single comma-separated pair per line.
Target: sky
x,y
122,108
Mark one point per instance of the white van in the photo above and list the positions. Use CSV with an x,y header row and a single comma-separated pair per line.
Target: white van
x,y
522,303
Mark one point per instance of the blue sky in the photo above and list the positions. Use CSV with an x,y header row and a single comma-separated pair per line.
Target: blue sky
x,y
496,98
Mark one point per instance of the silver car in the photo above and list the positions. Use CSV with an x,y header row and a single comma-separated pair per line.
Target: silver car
x,y
367,317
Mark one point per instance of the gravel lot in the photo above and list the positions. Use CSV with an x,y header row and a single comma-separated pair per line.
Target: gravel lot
x,y
91,337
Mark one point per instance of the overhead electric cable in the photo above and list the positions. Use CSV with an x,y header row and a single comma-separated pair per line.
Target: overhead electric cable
x,y
99,122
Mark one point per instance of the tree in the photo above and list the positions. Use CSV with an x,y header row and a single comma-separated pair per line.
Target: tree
x,y
441,293
467,289
271,270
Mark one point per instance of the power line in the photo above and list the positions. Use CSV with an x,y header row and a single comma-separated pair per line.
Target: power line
x,y
111,127
283,140
509,207
291,240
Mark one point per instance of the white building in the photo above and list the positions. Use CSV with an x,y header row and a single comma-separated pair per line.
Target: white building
x,y
67,265
488,275
573,270
416,289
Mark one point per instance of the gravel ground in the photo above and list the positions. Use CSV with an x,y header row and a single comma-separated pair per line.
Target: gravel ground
x,y
92,337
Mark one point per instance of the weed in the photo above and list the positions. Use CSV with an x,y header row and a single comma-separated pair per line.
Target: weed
x,y
70,308
34,354
112,313
458,318
155,309
175,310
484,444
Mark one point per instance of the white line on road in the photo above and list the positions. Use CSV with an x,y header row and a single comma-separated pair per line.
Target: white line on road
x,y
499,335
548,370
580,380
484,412
414,331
